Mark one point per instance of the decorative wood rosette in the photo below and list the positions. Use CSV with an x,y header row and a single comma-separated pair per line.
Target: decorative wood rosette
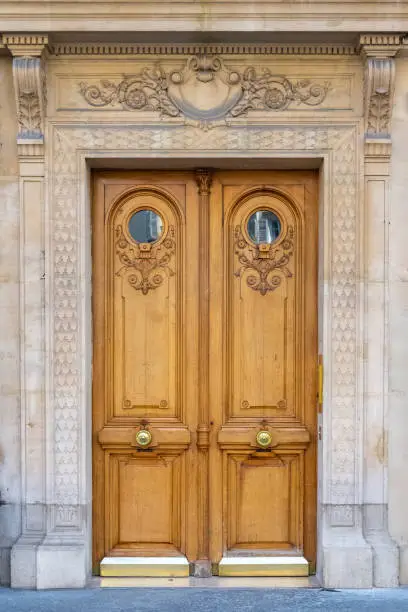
x,y
145,265
266,263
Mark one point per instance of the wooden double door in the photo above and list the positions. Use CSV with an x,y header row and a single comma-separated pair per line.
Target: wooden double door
x,y
205,369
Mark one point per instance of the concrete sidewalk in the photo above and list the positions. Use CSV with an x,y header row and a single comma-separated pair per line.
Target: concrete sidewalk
x,y
203,600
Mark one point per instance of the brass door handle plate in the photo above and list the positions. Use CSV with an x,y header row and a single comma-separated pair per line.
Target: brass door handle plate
x,y
264,438
143,438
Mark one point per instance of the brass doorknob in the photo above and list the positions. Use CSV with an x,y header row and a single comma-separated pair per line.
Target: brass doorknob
x,y
143,438
263,438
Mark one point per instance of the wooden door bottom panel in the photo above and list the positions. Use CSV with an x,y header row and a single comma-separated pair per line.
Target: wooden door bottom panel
x,y
145,549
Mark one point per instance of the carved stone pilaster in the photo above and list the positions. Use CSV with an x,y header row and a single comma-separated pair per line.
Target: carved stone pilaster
x,y
379,51
29,89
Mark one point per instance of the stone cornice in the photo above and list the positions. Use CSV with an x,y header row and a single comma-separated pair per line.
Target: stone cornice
x,y
380,45
25,45
204,16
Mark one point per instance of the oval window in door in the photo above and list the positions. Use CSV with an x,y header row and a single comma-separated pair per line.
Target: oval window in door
x,y
145,226
264,227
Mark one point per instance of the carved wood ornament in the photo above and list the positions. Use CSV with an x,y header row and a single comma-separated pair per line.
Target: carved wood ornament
x,y
205,90
145,265
263,260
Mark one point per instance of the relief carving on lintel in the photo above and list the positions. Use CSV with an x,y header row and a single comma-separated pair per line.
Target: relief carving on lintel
x,y
204,90
379,51
29,89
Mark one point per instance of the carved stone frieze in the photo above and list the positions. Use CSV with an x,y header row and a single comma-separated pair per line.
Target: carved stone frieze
x,y
267,263
29,88
204,90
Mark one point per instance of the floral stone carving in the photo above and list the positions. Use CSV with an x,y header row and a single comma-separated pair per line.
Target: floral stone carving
x,y
145,265
29,85
380,83
205,89
267,262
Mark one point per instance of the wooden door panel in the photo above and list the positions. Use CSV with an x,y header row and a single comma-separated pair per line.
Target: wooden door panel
x,y
264,321
261,324
144,360
144,498
146,305
265,502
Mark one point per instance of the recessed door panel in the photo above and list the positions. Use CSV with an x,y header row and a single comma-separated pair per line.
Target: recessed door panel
x,y
262,294
146,295
264,501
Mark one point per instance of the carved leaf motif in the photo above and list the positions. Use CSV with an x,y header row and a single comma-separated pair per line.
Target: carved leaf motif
x,y
30,112
263,264
379,115
379,85
145,269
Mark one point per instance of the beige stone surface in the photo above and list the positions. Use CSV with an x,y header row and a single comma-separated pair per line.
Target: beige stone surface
x,y
45,264
10,466
398,321
205,16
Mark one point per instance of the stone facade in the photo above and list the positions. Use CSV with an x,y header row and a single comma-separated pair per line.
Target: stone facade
x,y
68,106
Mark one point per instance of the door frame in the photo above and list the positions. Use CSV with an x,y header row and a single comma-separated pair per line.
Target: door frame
x,y
334,149
216,165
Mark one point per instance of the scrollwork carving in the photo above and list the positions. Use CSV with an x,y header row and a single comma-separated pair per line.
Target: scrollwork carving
x,y
276,93
263,260
204,90
146,91
145,265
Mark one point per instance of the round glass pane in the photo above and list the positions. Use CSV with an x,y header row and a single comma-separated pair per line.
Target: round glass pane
x,y
263,227
145,226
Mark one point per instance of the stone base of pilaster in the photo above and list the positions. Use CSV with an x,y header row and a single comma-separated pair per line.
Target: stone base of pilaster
x,y
347,558
385,550
48,565
403,565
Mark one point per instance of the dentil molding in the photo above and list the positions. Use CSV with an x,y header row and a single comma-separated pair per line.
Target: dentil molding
x,y
137,49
